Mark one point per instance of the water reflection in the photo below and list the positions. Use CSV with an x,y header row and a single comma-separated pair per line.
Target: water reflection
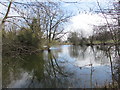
x,y
113,54
63,66
76,51
17,68
87,55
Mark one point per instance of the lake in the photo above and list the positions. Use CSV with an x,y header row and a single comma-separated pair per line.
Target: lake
x,y
64,66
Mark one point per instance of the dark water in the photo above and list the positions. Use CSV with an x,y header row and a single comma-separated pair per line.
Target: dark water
x,y
65,66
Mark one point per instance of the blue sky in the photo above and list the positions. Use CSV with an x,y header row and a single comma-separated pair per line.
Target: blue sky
x,y
80,6
86,16
84,13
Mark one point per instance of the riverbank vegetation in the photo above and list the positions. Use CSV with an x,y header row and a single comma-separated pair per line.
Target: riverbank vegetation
x,y
98,38
40,25
27,32
106,34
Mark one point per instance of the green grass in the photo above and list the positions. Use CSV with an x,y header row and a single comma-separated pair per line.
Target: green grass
x,y
99,42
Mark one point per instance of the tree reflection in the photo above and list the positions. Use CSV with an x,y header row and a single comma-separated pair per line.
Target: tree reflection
x,y
54,71
43,71
10,70
117,65
113,53
76,51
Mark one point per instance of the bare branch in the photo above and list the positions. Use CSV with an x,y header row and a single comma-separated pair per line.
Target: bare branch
x,y
8,10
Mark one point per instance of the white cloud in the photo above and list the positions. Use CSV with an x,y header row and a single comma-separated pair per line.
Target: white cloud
x,y
84,22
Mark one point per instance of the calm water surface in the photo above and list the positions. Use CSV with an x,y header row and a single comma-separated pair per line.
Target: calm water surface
x,y
65,66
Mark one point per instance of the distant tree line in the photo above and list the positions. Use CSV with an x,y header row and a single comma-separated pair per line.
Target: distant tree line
x,y
102,34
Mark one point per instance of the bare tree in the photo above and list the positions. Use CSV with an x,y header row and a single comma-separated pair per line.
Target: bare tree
x,y
114,13
53,20
45,19
7,12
